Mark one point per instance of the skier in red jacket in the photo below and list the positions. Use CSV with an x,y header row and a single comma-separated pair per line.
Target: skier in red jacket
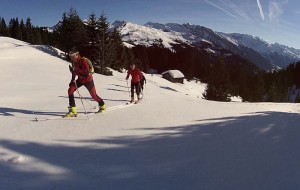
x,y
82,69
136,76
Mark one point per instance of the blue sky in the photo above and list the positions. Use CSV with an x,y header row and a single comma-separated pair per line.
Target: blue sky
x,y
271,20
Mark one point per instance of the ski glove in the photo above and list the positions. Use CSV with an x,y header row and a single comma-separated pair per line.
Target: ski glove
x,y
72,83
71,69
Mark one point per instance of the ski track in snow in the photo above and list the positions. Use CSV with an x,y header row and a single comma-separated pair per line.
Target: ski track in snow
x,y
80,115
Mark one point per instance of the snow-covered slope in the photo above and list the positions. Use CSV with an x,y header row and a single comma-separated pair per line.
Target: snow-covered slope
x,y
254,49
172,140
142,35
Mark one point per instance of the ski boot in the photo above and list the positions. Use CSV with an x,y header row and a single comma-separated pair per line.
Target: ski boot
x,y
102,109
139,99
72,112
132,100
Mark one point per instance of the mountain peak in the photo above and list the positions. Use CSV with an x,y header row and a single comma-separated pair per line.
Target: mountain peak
x,y
147,35
252,48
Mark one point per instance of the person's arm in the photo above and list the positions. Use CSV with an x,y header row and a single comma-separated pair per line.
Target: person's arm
x,y
72,70
140,74
128,73
72,82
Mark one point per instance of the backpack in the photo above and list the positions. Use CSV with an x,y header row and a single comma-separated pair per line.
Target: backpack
x,y
91,71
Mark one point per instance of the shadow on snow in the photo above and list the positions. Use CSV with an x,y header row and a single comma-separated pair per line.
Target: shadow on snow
x,y
4,111
257,151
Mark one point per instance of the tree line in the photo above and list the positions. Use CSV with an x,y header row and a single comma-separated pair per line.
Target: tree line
x,y
94,39
25,31
225,75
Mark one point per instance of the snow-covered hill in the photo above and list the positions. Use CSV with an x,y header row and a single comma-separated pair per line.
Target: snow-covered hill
x,y
172,140
266,56
143,35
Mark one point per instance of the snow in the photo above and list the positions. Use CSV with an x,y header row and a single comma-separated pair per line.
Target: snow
x,y
210,50
146,36
172,140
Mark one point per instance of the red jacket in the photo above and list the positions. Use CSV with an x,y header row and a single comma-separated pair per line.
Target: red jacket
x,y
136,75
82,70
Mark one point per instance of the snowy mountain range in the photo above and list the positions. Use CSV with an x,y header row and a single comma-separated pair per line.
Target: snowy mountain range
x,y
265,55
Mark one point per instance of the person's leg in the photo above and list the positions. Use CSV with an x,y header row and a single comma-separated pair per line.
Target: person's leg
x,y
72,106
138,89
132,92
92,90
71,91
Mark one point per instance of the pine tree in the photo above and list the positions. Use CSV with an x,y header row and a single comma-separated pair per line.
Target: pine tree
x,y
14,28
92,30
118,49
62,40
28,31
218,85
273,93
3,28
77,29
71,31
23,31
37,37
142,54
104,50
127,57
252,88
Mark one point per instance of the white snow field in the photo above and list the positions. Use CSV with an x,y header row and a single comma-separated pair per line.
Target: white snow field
x,y
172,140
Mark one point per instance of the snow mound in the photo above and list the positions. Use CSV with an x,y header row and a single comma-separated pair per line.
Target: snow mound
x,y
18,159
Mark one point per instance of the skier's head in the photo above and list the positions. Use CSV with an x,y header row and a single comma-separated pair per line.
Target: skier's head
x,y
73,54
132,66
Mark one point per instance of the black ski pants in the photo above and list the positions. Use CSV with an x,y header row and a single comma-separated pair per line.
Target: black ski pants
x,y
137,87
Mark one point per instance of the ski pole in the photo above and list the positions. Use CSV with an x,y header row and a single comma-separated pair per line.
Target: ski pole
x,y
128,88
146,89
94,107
81,100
